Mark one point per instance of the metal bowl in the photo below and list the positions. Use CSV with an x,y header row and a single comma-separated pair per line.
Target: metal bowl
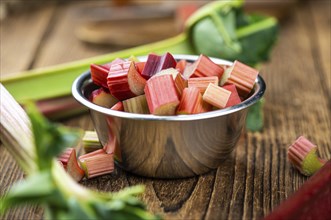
x,y
168,146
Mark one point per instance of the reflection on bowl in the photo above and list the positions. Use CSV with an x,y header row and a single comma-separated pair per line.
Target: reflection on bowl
x,y
168,146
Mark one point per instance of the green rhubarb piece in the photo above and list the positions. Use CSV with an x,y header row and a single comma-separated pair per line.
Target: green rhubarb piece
x,y
311,163
91,141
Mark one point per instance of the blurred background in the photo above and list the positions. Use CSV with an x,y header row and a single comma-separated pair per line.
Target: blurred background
x,y
101,22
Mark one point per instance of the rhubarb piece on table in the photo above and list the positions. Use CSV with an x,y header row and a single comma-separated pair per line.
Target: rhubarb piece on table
x,y
155,64
70,164
117,81
135,80
202,82
102,98
216,96
136,104
97,163
118,106
91,141
234,97
202,67
311,201
192,102
303,156
242,76
161,95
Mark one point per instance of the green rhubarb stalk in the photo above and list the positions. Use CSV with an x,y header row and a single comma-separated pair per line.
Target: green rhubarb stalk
x,y
62,76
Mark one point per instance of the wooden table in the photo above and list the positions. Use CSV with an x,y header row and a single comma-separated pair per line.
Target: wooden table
x,y
257,176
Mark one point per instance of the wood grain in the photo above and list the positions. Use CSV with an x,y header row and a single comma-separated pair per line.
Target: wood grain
x,y
257,176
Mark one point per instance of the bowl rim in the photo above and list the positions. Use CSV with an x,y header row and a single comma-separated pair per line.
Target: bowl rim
x,y
80,82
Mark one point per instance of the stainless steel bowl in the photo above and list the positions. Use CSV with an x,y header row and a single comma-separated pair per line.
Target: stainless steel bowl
x,y
168,146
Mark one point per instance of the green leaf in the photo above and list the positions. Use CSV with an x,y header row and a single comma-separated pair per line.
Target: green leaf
x,y
233,35
255,117
34,190
50,138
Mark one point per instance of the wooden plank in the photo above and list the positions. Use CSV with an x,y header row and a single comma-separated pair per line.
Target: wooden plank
x,y
61,45
320,30
20,36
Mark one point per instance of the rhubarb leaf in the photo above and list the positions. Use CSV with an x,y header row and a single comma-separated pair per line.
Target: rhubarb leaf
x,y
255,116
33,190
50,138
248,38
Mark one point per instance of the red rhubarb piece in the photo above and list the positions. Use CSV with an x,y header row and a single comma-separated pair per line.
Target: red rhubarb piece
x,y
303,156
155,64
118,106
216,96
97,163
135,80
117,81
242,76
202,67
234,98
192,102
202,82
161,95
180,66
99,75
70,164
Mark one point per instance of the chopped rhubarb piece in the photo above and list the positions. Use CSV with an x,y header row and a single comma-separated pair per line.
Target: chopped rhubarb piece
x,y
91,154
180,66
103,98
311,201
180,83
302,155
234,97
161,95
118,107
216,96
116,61
155,64
202,82
136,104
91,141
117,81
97,163
140,66
70,164
135,80
242,76
192,102
202,67
169,71
99,75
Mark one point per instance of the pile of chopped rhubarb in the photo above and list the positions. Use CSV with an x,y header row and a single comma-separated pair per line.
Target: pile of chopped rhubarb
x,y
165,86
